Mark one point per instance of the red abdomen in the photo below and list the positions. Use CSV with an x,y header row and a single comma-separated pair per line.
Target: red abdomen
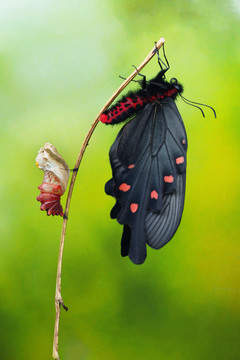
x,y
131,105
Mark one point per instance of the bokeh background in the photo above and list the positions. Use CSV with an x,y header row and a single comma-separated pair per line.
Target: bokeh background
x,y
59,63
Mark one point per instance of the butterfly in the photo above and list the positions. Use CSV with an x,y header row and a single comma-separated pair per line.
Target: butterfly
x,y
148,160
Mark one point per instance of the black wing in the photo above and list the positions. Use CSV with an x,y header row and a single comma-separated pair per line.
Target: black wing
x,y
148,160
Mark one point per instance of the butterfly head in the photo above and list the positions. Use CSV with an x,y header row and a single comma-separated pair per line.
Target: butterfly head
x,y
176,84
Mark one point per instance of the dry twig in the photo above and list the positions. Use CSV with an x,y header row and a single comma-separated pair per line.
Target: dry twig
x,y
58,297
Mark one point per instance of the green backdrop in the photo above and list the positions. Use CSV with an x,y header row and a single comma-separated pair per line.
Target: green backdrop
x,y
59,63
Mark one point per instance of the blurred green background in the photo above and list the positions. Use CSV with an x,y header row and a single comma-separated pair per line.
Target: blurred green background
x,y
59,63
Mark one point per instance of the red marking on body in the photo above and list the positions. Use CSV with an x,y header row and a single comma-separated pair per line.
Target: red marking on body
x,y
167,93
180,160
183,141
133,207
170,92
154,195
124,187
131,166
168,179
103,118
121,109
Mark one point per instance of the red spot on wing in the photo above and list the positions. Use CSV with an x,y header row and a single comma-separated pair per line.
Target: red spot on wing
x,y
180,160
131,166
168,179
133,207
154,195
184,141
124,187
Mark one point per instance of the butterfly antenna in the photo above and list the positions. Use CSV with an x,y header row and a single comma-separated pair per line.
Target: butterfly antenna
x,y
190,103
194,102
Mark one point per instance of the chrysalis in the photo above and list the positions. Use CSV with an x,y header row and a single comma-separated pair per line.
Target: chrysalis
x,y
56,175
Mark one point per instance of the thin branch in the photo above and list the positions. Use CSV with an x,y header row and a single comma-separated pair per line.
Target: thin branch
x,y
58,297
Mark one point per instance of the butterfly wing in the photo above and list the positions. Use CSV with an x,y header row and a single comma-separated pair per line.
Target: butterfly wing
x,y
148,160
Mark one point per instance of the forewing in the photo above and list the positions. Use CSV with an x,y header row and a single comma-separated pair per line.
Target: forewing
x,y
147,157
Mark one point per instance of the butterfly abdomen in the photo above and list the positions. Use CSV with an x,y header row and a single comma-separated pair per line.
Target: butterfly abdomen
x,y
133,102
123,109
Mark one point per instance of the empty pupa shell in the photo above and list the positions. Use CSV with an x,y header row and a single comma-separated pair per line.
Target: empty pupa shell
x,y
56,176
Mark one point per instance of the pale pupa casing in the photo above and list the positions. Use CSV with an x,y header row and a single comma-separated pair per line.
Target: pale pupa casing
x,y
56,175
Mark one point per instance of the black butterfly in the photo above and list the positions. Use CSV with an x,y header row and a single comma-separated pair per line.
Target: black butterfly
x,y
148,160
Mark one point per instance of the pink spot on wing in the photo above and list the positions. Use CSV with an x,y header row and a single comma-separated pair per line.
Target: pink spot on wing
x,y
180,160
184,141
168,179
131,166
124,187
133,207
154,195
